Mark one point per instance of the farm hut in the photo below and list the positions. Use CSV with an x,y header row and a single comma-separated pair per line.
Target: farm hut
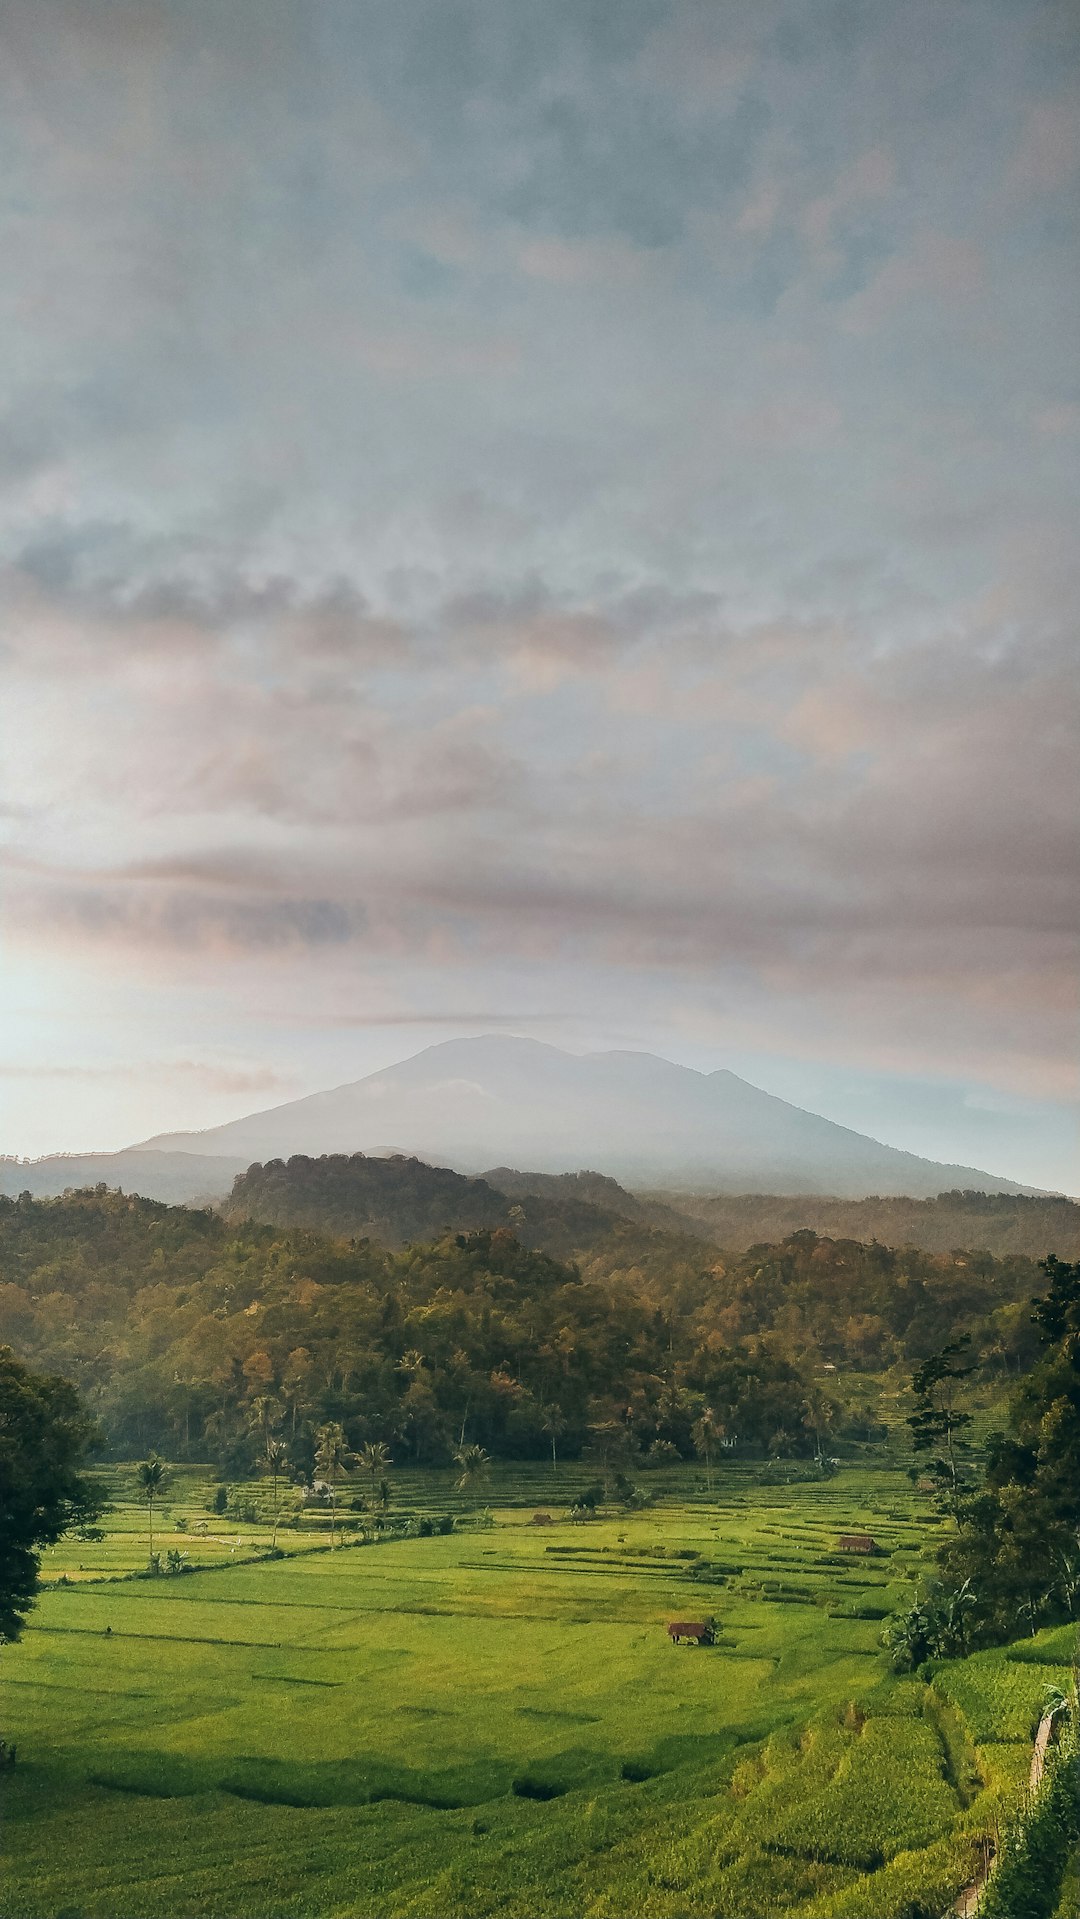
x,y
541,1519
858,1543
702,1632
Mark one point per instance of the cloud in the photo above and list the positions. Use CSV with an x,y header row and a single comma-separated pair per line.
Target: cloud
x,y
206,1075
1048,154
585,504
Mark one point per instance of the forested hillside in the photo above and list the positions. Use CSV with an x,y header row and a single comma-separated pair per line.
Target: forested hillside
x,y
195,1335
399,1200
1000,1223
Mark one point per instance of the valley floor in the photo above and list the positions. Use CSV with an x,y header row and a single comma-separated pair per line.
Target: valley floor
x,y
495,1722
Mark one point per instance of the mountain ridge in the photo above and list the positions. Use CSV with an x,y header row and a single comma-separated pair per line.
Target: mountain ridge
x,y
635,1117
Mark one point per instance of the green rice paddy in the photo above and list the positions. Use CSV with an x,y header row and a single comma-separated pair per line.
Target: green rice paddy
x,y
495,1722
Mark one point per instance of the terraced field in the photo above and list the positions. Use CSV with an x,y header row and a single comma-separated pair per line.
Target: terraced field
x,y
494,1721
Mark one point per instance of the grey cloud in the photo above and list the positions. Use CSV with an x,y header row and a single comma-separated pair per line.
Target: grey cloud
x,y
588,486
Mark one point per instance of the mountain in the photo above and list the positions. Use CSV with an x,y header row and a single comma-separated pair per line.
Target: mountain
x,y
194,1179
471,1103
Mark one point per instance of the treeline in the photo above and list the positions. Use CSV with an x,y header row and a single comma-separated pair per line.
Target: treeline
x,y
1011,1560
819,1300
999,1223
198,1336
1017,1548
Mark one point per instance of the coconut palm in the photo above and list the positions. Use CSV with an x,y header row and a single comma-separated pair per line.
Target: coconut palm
x,y
274,1458
150,1477
473,1463
952,1619
374,1459
554,1425
331,1458
707,1432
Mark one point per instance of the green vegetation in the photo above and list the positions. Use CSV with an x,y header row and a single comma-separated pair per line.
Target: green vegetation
x,y
202,1339
493,1720
1001,1223
1018,1543
44,1493
401,1647
1042,1845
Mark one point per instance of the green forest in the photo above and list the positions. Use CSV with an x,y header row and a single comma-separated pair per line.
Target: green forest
x,y
197,1335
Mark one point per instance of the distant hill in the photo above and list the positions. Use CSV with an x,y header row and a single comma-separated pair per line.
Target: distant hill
x,y
998,1223
195,1179
473,1103
398,1201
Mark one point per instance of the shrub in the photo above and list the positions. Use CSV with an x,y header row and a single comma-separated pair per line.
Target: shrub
x,y
1036,1850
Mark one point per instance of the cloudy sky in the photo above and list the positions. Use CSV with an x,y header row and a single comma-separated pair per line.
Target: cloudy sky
x,y
548,518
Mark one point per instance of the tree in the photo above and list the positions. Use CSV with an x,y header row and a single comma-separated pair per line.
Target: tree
x,y
150,1478
707,1431
554,1425
473,1464
45,1437
331,1459
274,1459
1017,1537
374,1459
937,1422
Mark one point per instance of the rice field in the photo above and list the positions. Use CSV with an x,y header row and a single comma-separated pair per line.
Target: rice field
x,y
493,1721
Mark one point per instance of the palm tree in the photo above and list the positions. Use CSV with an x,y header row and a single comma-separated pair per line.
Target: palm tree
x,y
150,1478
331,1458
274,1459
473,1462
706,1432
374,1458
264,1414
554,1425
953,1612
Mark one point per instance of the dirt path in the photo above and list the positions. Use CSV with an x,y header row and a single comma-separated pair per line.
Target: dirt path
x,y
967,1905
1038,1756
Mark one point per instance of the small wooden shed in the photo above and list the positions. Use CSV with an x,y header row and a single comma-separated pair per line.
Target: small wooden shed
x,y
858,1543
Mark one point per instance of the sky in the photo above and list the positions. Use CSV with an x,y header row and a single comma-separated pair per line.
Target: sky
x,y
550,519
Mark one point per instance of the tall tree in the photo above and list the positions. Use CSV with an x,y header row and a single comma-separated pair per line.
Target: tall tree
x,y
150,1476
473,1465
331,1459
938,1422
707,1432
274,1458
553,1423
374,1459
45,1437
1018,1534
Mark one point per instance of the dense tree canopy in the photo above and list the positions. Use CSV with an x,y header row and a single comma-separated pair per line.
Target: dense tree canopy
x,y
1019,1538
206,1338
44,1438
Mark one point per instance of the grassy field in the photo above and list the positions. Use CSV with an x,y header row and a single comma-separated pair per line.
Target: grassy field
x,y
494,1721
